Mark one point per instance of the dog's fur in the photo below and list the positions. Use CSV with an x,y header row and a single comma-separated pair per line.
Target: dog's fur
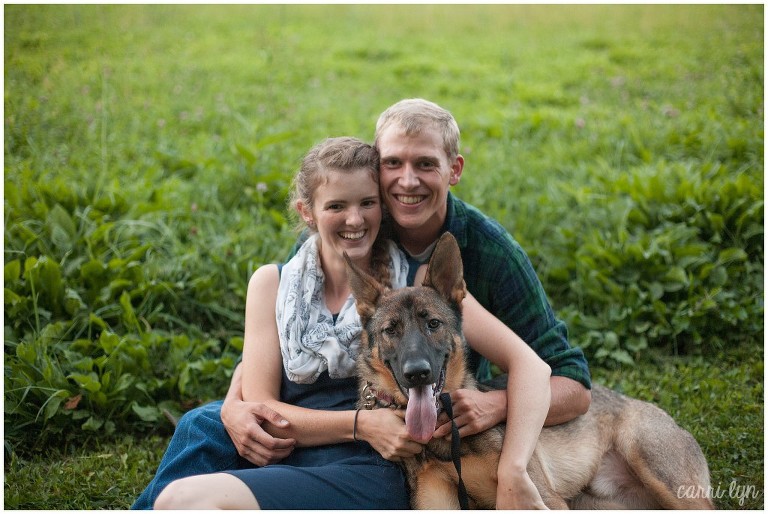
x,y
623,453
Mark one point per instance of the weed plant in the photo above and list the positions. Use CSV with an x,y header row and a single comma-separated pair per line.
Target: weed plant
x,y
149,150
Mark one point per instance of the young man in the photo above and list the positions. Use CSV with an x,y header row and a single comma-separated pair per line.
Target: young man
x,y
419,146
420,160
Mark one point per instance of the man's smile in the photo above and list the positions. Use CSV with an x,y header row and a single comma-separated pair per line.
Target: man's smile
x,y
410,199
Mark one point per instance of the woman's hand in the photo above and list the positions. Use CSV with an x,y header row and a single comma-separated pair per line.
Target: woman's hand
x,y
517,491
384,429
243,421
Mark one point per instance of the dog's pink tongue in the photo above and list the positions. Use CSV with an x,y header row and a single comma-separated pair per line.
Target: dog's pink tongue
x,y
421,414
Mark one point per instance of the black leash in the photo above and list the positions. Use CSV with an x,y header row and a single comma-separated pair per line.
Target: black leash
x,y
445,399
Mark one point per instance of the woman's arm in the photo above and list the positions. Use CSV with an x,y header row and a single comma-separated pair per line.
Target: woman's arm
x,y
262,371
262,375
527,405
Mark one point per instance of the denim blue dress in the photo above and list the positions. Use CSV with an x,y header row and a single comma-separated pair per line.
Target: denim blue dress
x,y
339,476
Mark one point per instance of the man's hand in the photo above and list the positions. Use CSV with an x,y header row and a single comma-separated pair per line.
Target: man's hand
x,y
243,422
473,412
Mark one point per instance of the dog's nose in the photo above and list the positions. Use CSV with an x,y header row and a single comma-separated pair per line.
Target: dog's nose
x,y
417,372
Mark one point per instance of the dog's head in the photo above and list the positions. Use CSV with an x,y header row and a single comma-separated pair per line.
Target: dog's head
x,y
412,344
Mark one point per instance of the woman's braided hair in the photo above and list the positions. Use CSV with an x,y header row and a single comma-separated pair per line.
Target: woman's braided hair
x,y
343,154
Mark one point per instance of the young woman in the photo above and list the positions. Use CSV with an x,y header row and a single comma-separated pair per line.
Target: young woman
x,y
301,339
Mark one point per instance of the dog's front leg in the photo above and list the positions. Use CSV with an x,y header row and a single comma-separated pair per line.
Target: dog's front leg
x,y
434,490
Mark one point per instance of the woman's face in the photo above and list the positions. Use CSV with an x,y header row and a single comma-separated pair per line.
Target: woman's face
x,y
347,213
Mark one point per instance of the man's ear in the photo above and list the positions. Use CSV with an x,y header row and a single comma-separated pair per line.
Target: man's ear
x,y
457,167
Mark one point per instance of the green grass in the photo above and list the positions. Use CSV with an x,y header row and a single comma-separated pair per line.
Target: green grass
x,y
148,152
95,474
721,405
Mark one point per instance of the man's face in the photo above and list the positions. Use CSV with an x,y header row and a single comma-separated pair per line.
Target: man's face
x,y
415,177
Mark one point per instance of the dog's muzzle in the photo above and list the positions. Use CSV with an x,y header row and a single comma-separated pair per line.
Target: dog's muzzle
x,y
423,406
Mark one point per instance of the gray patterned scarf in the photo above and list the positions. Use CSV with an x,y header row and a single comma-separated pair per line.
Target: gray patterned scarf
x,y
310,341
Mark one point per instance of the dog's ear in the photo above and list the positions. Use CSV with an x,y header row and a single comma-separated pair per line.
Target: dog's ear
x,y
366,289
445,271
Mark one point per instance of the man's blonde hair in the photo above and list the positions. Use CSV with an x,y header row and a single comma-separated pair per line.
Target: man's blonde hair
x,y
414,115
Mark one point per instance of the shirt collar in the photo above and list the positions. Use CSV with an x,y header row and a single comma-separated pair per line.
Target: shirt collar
x,y
456,220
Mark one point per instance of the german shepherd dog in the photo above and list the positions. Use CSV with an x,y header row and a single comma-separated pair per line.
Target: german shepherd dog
x,y
623,453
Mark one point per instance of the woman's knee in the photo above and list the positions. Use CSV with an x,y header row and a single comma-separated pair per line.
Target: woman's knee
x,y
172,496
206,492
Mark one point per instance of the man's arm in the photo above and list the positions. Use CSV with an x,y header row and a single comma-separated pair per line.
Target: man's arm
x,y
506,281
569,400
243,423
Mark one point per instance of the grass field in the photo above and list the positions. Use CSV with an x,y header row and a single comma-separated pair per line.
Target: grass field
x,y
148,151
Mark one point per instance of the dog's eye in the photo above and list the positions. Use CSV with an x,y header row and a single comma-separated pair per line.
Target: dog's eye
x,y
390,330
434,324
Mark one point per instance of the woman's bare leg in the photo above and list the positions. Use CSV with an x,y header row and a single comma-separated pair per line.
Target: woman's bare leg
x,y
207,492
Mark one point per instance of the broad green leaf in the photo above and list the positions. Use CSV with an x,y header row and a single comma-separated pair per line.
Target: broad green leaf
x,y
60,218
54,402
237,343
84,364
89,382
93,271
26,352
622,356
656,290
101,233
106,379
138,253
12,271
10,297
146,413
109,341
51,407
72,301
718,276
732,255
128,314
45,275
125,381
96,320
93,424
675,279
